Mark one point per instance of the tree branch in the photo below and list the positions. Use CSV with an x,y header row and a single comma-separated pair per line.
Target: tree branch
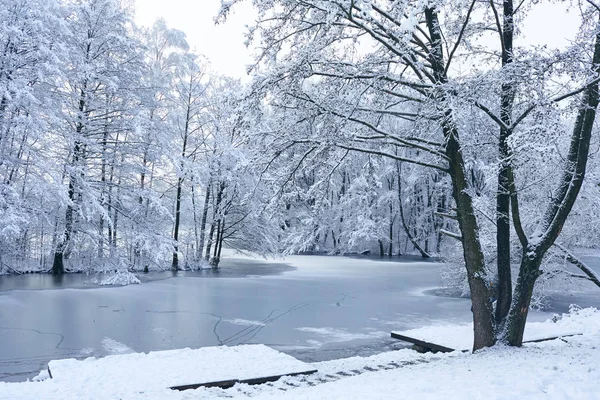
x,y
570,257
460,35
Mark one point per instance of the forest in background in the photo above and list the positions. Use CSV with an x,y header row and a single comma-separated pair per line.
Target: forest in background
x,y
121,150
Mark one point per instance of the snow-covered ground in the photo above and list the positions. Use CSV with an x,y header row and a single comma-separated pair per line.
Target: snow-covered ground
x,y
460,337
170,368
559,369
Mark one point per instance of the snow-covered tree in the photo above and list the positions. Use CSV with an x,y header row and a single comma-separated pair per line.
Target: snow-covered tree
x,y
392,79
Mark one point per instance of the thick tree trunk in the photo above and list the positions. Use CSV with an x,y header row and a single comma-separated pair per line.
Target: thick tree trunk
x,y
517,317
483,320
61,252
559,208
58,267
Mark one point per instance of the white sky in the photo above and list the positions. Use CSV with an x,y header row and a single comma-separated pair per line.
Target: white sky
x,y
224,45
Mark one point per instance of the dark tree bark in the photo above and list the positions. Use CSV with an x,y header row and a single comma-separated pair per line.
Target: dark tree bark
x,y
62,250
221,240
504,289
536,246
483,320
215,220
392,219
405,226
209,242
175,262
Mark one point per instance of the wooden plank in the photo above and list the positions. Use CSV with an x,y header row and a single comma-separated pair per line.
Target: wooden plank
x,y
229,383
437,347
552,338
426,345
222,384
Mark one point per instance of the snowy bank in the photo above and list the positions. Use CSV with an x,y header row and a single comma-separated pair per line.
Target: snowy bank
x,y
460,337
558,369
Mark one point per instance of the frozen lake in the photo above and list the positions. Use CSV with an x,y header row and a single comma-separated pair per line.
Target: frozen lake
x,y
312,307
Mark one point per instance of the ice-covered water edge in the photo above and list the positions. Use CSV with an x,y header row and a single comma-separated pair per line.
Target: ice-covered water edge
x,y
564,369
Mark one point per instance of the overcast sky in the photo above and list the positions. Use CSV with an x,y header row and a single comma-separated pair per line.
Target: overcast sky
x,y
224,44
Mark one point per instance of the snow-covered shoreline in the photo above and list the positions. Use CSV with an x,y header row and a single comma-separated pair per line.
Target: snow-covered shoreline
x,y
558,369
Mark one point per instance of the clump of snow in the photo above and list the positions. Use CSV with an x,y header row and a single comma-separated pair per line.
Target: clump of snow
x,y
42,376
119,278
111,346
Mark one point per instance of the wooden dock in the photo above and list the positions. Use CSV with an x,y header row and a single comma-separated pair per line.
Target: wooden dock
x,y
423,346
184,369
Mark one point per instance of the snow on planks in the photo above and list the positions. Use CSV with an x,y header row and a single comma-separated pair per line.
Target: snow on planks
x,y
460,337
183,369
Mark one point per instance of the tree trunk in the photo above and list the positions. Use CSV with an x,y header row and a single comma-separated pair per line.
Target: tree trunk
x,y
203,222
216,218
61,252
392,218
558,209
209,242
409,235
528,273
483,320
175,262
221,240
504,285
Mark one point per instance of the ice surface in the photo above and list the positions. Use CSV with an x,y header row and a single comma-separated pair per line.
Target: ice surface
x,y
246,302
314,308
